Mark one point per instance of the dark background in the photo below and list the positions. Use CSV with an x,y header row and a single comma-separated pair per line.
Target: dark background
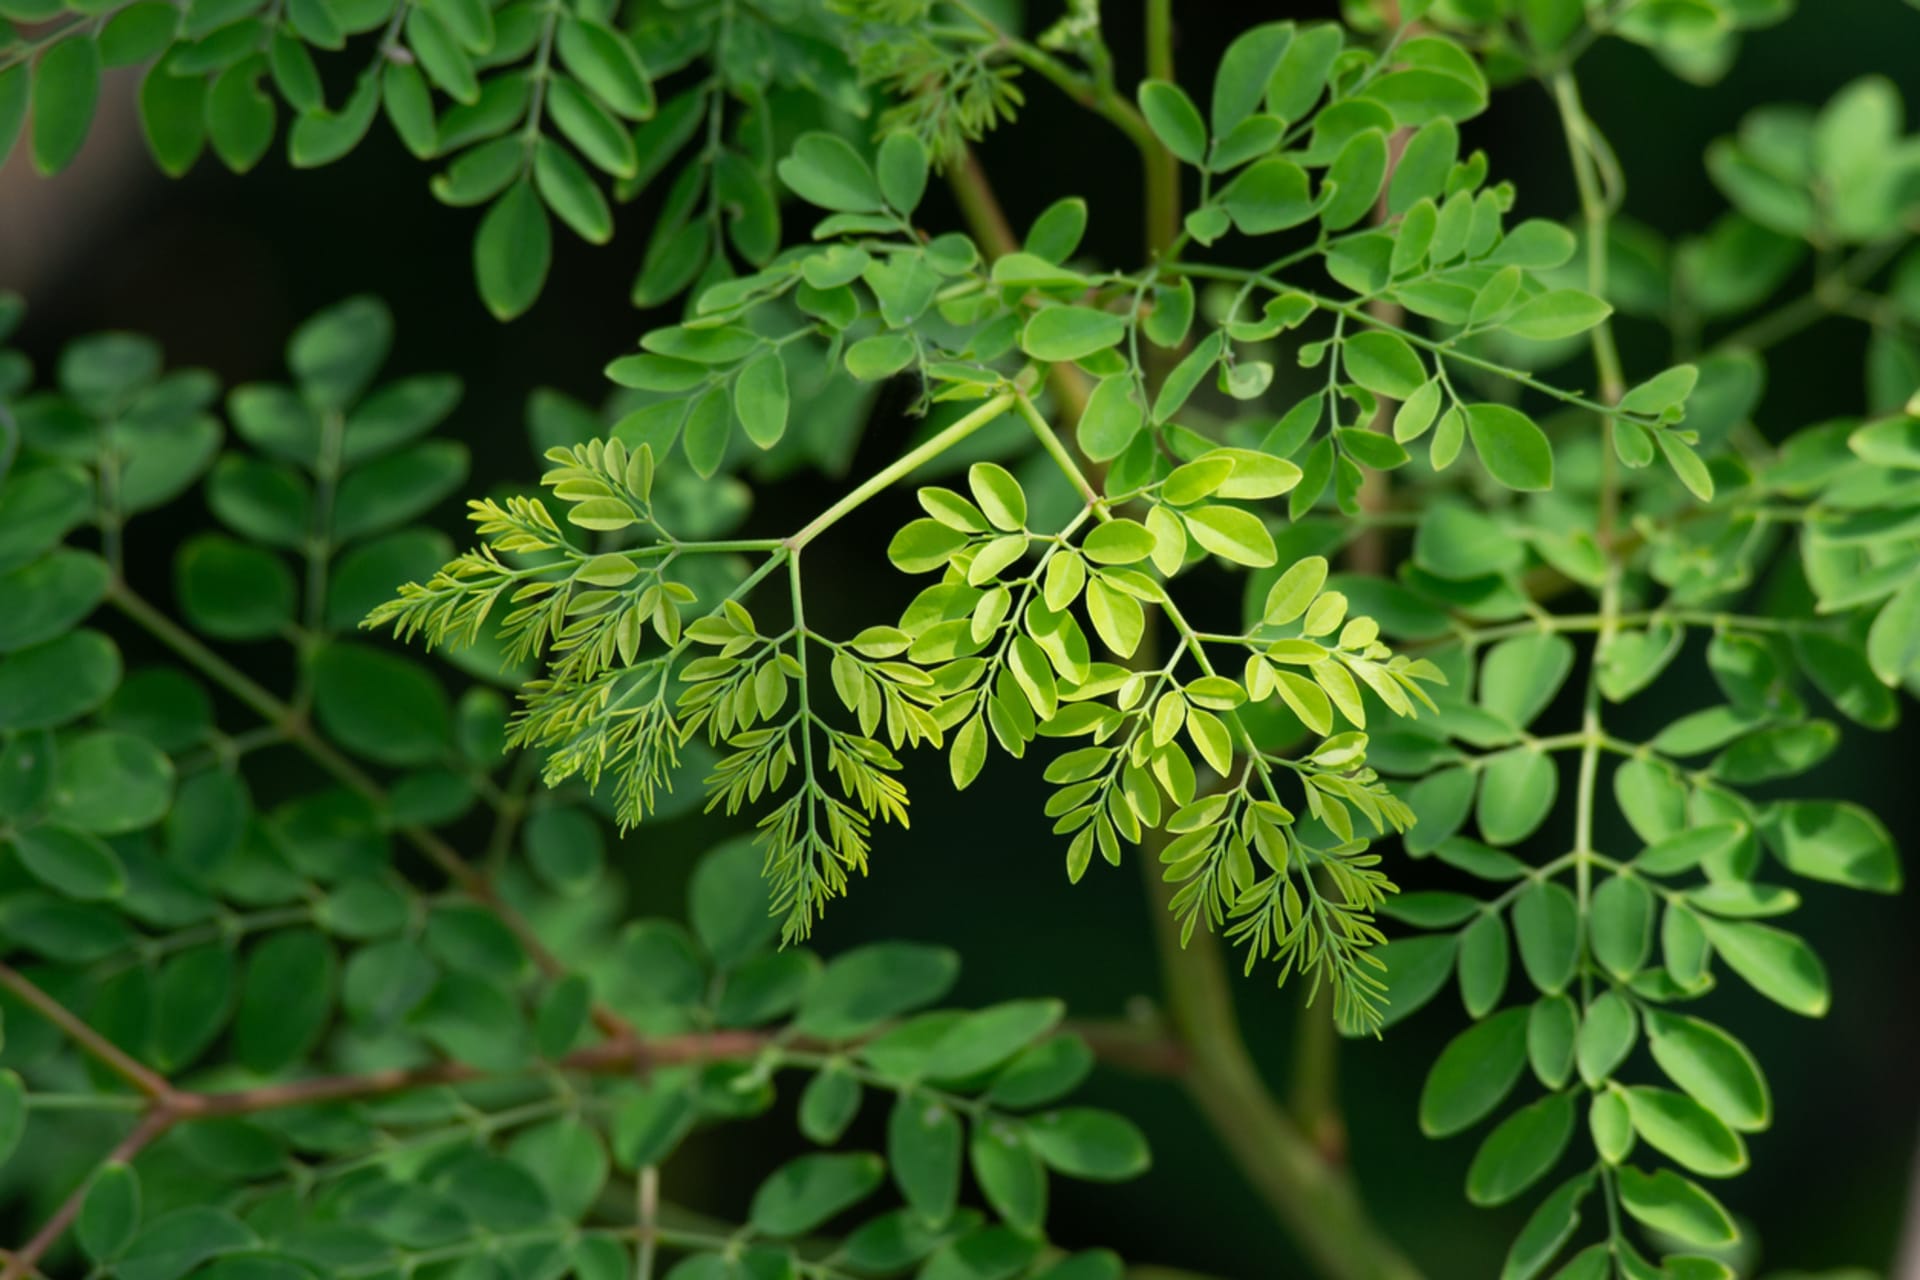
x,y
221,268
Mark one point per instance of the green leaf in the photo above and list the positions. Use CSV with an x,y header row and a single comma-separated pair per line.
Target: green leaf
x,y
1425,161
1521,1151
1517,791
998,495
72,863
652,1121
1667,1202
511,252
902,168
1119,541
923,1147
66,89
285,1000
50,684
1687,465
1070,333
1271,196
1010,1175
1416,969
61,930
1893,642
110,1214
1174,120
1355,176
1547,1231
1302,71
1084,1143
320,137
46,598
1473,1073
1056,233
566,1158
1485,956
829,1103
1556,314
1383,363
1611,1125
760,399
729,903
1546,923
1830,841
110,783
604,60
1713,1068
1294,590
336,353
1686,1132
1458,544
1513,449
805,1193
1233,534
984,1040
233,590
1521,675
173,118
1775,963
571,192
381,706
823,170
398,487
868,985
1042,1074
1620,925
1418,95
1552,1025
591,128
182,1241
1607,1035
240,118
403,92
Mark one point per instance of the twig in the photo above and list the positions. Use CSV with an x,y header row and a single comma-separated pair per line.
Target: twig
x,y
21,1264
103,1050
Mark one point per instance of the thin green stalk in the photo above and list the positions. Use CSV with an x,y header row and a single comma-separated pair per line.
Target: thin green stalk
x,y
902,467
1584,148
1830,294
1358,312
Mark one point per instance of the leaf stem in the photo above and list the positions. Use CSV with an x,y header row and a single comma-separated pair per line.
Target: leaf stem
x,y
96,1046
902,467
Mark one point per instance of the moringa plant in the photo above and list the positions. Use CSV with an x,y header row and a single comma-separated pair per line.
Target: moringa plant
x,y
1337,531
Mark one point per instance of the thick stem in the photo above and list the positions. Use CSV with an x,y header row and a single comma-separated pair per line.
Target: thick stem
x,y
1318,1203
979,206
1163,167
985,218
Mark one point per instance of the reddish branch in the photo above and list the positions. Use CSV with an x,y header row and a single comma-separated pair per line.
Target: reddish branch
x,y
1121,1044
